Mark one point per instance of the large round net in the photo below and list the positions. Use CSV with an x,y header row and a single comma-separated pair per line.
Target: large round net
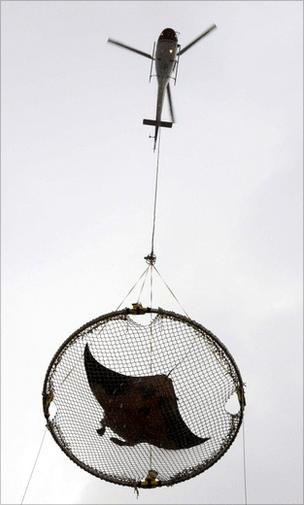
x,y
140,397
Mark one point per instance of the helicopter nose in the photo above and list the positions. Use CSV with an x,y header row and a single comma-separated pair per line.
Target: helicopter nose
x,y
169,34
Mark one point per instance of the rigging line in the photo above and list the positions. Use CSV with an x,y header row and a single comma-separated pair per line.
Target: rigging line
x,y
144,274
143,285
78,360
72,369
168,287
155,195
133,287
244,464
31,475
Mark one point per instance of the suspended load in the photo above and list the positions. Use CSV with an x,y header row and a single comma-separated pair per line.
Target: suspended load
x,y
143,405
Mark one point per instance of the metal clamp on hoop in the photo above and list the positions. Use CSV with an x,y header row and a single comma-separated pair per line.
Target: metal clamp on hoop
x,y
150,481
150,259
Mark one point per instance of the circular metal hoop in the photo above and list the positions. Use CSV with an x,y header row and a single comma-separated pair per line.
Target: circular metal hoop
x,y
170,407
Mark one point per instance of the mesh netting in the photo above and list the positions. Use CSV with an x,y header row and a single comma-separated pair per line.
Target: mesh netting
x,y
143,402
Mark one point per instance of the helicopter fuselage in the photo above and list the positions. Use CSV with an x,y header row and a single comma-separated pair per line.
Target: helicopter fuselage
x,y
165,60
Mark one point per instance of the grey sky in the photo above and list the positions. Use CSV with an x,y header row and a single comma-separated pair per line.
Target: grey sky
x,y
77,190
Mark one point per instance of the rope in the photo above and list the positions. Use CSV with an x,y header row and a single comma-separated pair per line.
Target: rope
x,y
133,287
34,466
168,287
155,196
244,465
143,285
144,274
72,369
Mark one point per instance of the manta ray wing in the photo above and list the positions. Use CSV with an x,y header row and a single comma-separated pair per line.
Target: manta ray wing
x,y
139,409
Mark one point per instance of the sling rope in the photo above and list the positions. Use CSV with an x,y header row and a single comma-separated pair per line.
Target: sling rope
x,y
143,284
143,275
168,287
133,287
244,464
34,466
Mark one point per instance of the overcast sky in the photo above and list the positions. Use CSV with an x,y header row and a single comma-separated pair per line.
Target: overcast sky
x,y
77,194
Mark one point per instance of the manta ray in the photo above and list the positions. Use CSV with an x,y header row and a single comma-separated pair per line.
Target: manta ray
x,y
138,409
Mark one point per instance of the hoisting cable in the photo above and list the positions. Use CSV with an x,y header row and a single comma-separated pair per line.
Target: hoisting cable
x,y
155,195
151,257
34,466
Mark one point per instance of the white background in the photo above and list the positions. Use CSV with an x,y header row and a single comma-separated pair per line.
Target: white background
x,y
77,194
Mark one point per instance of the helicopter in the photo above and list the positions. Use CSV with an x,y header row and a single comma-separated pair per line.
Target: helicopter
x,y
166,59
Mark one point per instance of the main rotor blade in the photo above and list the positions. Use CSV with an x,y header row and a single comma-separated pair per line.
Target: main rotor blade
x,y
130,48
170,103
182,51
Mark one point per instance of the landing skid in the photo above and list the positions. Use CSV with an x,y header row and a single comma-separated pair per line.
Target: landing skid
x,y
153,59
176,64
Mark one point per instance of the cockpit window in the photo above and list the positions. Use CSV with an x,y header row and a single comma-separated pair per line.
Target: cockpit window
x,y
168,33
